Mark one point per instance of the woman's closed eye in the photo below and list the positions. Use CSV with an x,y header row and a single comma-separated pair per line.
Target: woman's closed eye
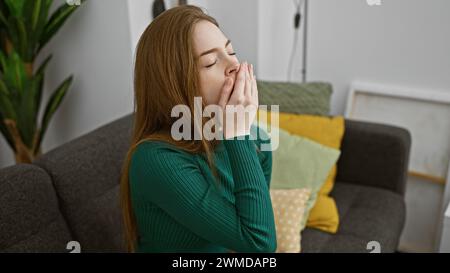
x,y
231,54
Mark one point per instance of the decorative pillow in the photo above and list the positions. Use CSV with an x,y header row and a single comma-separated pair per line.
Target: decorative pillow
x,y
301,98
328,131
289,208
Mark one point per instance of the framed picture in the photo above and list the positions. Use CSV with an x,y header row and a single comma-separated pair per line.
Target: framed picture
x,y
425,113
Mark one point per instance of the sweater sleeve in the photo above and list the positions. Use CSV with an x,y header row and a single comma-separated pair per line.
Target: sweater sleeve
x,y
265,156
171,179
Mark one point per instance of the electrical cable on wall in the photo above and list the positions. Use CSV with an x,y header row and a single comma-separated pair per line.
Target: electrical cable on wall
x,y
158,7
297,21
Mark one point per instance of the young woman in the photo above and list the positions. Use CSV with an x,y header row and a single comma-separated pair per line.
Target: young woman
x,y
194,195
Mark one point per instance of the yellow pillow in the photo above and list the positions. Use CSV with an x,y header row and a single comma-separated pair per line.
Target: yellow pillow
x,y
327,131
289,209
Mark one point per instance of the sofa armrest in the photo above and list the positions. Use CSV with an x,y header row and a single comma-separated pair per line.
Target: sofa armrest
x,y
375,155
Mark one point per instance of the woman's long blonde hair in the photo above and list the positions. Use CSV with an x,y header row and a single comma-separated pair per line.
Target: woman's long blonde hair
x,y
165,75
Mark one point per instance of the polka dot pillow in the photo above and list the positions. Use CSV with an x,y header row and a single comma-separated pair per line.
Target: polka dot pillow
x,y
288,207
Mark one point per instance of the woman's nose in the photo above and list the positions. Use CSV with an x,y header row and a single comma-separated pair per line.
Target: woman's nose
x,y
232,69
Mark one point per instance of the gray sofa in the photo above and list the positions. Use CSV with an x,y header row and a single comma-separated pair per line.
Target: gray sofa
x,y
71,193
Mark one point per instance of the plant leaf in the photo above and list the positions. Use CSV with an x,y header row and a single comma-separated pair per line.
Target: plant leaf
x,y
23,39
35,14
43,65
4,8
14,74
26,118
40,87
3,19
15,7
18,35
19,74
12,31
38,6
4,89
52,106
48,4
55,22
6,106
3,63
6,112
4,130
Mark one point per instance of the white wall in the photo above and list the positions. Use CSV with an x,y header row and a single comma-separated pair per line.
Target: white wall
x,y
239,22
94,46
275,41
403,42
140,15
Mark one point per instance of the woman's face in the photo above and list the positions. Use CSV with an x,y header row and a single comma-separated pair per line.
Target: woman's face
x,y
216,60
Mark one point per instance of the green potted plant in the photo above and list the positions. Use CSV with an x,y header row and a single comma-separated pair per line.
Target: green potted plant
x,y
25,28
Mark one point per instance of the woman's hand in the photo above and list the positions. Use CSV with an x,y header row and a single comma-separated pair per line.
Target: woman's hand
x,y
239,102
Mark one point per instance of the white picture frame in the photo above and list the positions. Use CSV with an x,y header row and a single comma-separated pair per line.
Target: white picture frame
x,y
425,113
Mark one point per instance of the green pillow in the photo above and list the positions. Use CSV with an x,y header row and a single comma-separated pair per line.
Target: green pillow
x,y
311,98
299,162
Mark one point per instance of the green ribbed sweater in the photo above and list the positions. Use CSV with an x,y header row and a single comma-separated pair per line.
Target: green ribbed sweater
x,y
179,208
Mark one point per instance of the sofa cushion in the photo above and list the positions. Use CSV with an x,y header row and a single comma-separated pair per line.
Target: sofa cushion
x,y
300,98
322,212
367,214
86,173
30,218
288,210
